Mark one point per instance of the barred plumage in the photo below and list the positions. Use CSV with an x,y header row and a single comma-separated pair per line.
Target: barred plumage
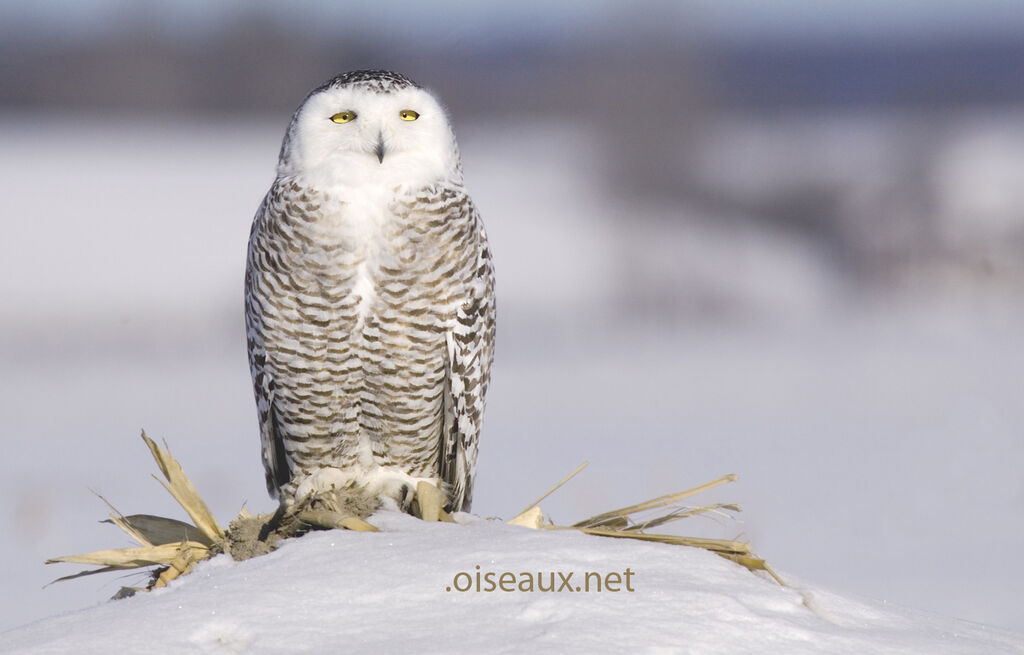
x,y
369,299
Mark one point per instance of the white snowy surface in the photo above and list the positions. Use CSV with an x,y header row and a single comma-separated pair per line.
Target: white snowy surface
x,y
879,446
397,591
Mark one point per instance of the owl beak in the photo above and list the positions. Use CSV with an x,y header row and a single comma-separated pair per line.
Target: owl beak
x,y
378,148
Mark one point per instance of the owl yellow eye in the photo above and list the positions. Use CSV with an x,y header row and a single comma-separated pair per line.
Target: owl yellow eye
x,y
408,115
344,117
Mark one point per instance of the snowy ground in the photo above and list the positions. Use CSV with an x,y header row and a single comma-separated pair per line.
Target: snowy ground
x,y
485,588
878,446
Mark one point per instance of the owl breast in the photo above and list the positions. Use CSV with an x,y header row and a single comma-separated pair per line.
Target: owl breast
x,y
354,299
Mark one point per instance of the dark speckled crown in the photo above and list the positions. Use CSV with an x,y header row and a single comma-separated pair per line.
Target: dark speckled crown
x,y
376,81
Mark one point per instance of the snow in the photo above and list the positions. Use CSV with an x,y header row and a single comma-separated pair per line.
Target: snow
x,y
397,591
878,444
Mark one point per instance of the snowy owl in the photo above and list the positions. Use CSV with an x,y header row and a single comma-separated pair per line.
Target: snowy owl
x,y
369,301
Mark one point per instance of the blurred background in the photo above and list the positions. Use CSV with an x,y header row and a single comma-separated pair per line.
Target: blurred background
x,y
784,240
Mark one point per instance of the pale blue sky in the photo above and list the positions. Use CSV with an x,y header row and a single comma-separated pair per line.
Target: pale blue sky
x,y
466,19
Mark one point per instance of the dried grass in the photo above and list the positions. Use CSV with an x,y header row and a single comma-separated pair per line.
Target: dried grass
x,y
175,546
622,523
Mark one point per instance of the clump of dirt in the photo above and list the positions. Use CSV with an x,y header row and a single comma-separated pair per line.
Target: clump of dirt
x,y
251,536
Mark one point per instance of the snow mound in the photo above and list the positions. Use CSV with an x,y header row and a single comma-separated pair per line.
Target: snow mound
x,y
399,590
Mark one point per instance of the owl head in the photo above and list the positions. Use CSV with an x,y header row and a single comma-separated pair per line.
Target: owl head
x,y
370,126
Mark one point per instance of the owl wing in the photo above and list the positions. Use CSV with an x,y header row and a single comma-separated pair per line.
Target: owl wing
x,y
274,458
470,344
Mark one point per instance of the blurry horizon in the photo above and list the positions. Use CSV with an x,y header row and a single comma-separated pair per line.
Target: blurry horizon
x,y
224,56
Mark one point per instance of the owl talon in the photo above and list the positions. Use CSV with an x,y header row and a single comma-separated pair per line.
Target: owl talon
x,y
335,520
430,501
407,499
